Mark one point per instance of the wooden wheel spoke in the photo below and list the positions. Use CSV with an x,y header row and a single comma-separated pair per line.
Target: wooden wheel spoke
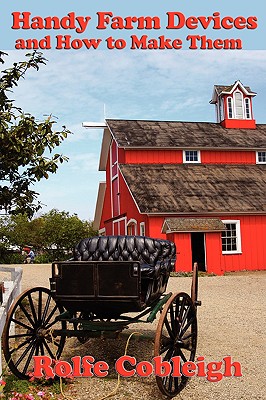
x,y
46,308
173,320
45,323
27,341
182,355
53,356
170,383
27,314
23,355
32,308
184,318
186,327
169,330
40,306
182,308
19,335
26,366
22,324
41,349
166,345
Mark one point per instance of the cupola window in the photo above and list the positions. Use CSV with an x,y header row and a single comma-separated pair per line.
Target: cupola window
x,y
239,105
247,108
230,107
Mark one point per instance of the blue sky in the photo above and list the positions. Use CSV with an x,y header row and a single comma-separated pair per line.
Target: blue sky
x,y
75,86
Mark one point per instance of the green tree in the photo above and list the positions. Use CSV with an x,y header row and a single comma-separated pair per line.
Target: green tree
x,y
62,231
24,143
53,234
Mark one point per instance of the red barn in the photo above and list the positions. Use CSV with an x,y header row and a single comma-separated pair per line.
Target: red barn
x,y
199,184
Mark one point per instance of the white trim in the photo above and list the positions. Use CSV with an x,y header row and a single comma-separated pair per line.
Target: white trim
x,y
116,221
257,157
245,108
242,105
232,107
131,194
244,90
114,177
99,205
133,222
238,237
142,228
191,162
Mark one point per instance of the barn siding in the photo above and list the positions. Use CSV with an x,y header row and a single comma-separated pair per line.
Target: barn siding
x,y
154,156
228,157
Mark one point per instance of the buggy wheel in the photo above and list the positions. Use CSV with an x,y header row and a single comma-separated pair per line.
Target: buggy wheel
x,y
176,336
28,331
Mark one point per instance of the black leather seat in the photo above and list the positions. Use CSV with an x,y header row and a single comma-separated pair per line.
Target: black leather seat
x,y
156,258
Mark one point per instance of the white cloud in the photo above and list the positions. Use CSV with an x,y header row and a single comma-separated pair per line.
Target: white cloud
x,y
143,84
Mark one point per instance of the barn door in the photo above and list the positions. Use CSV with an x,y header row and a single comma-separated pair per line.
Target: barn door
x,y
198,250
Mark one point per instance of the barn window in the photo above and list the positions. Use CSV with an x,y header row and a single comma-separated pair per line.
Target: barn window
x,y
142,229
239,105
231,240
191,156
247,108
132,227
230,107
261,157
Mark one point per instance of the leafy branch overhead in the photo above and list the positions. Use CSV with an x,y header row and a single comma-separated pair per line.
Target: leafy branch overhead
x,y
24,143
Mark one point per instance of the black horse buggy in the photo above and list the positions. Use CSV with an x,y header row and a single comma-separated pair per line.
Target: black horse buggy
x,y
111,282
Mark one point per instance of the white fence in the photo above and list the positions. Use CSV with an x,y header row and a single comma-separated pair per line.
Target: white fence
x,y
12,290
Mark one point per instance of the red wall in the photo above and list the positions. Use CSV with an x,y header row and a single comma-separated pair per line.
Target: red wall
x,y
176,157
153,156
228,157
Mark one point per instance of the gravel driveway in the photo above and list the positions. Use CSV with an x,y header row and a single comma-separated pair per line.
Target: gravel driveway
x,y
230,322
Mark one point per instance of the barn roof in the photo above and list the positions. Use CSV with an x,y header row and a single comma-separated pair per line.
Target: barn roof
x,y
201,188
176,134
193,225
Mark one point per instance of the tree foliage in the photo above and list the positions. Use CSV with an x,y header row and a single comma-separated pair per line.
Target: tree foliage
x,y
24,143
54,233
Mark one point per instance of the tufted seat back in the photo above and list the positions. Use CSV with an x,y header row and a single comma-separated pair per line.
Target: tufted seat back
x,y
156,258
146,250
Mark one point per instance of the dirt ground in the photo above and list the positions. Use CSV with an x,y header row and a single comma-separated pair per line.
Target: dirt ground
x,y
231,322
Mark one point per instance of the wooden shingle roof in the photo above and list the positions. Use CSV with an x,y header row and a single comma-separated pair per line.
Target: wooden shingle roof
x,y
175,134
223,88
201,188
193,225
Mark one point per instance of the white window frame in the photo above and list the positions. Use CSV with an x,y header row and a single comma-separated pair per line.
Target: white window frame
x,y
116,221
242,105
231,106
247,102
257,157
238,237
191,162
142,229
132,222
221,109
